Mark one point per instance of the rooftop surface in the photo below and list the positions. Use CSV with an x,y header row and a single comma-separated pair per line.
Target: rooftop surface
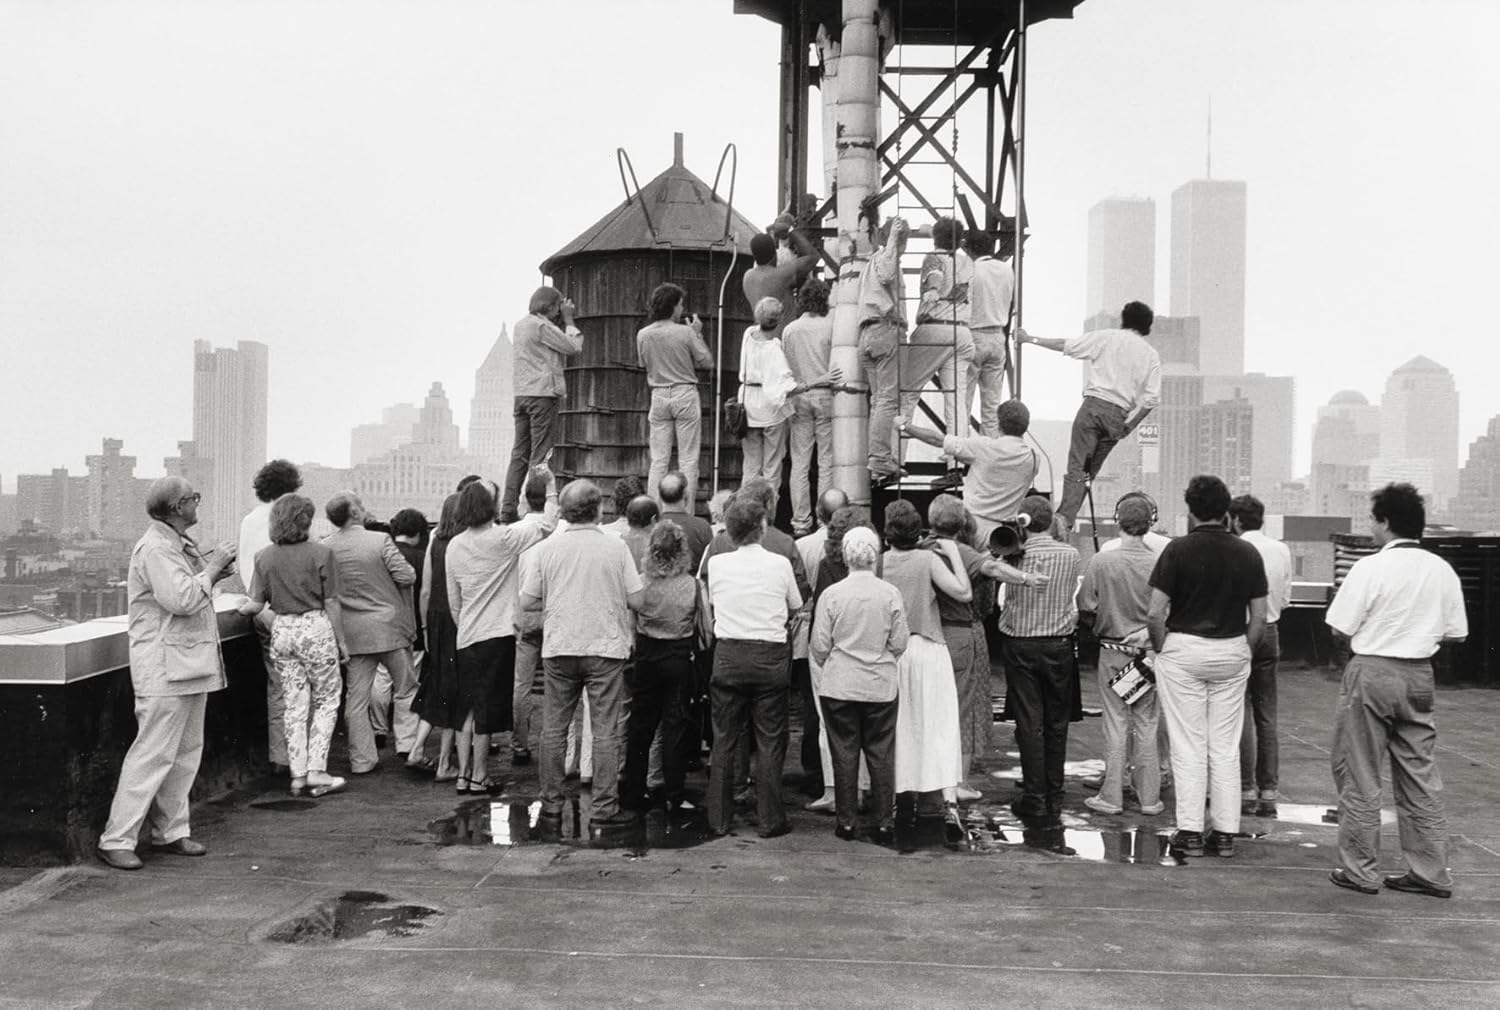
x,y
435,913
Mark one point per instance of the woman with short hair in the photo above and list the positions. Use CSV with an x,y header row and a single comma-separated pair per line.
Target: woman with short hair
x,y
298,579
928,757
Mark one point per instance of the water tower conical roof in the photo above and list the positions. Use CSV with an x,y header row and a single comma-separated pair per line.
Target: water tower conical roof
x,y
675,210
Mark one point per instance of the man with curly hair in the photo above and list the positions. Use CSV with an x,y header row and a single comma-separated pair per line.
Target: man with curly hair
x,y
277,478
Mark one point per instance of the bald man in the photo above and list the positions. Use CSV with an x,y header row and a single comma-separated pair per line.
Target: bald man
x,y
672,492
174,664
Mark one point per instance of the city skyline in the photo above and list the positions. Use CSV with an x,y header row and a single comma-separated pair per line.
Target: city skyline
x,y
285,187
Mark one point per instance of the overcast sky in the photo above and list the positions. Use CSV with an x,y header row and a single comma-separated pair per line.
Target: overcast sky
x,y
368,187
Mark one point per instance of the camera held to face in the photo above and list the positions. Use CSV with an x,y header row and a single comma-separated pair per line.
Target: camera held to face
x,y
1008,540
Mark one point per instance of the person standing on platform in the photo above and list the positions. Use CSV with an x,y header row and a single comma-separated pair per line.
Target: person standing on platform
x,y
992,296
808,342
1397,606
672,493
1117,591
941,337
175,664
589,592
858,637
672,351
810,546
1002,470
767,388
882,334
1208,611
540,344
769,278
1124,385
278,477
1037,627
1259,750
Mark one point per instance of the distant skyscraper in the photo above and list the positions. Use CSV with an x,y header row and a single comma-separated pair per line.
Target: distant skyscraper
x,y
1419,420
1347,430
116,502
55,502
1179,420
1273,398
491,412
1226,443
229,428
1208,269
395,427
1477,506
420,473
1122,254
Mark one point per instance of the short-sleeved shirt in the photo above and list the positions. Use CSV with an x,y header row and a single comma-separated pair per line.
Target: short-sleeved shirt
x,y
698,533
671,353
1123,368
1117,588
807,342
774,541
668,607
583,577
1211,576
991,294
952,611
753,593
911,573
1400,603
295,578
1001,471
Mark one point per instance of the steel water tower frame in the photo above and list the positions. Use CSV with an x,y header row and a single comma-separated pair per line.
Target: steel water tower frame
x,y
926,60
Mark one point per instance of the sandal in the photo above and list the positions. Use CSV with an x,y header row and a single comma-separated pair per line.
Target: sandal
x,y
461,785
421,765
485,787
447,776
299,786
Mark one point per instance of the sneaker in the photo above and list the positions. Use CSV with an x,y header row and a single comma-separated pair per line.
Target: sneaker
x,y
1100,805
1265,807
1152,809
967,795
1189,843
1221,843
823,804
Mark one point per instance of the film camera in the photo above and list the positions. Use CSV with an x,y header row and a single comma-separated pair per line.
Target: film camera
x,y
1008,540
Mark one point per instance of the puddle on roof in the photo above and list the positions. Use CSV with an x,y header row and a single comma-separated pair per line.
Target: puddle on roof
x,y
354,915
516,823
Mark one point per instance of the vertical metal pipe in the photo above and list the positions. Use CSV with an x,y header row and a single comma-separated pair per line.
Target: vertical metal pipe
x,y
856,126
1020,143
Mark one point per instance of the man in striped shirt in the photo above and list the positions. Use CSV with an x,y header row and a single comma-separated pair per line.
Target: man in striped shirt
x,y
1037,628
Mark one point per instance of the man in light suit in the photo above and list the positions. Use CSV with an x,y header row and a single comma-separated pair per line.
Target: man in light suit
x,y
378,627
174,664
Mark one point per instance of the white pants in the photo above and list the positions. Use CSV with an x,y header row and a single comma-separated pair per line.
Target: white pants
x,y
1202,686
158,772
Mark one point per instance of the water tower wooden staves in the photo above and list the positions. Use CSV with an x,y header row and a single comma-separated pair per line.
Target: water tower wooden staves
x,y
675,228
922,67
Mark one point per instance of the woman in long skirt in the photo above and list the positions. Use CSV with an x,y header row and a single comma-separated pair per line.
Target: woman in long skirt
x,y
928,757
436,700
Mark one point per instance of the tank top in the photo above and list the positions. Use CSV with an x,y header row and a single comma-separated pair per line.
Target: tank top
x,y
911,573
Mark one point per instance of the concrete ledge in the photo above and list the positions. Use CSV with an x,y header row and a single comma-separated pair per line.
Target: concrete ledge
x,y
67,716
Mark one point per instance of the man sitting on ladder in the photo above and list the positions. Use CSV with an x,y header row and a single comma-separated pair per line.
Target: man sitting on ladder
x,y
1124,385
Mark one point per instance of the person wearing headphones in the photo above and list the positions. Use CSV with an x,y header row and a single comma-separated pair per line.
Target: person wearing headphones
x,y
1153,540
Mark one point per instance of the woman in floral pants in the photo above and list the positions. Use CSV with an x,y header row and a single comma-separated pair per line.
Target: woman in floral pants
x,y
299,581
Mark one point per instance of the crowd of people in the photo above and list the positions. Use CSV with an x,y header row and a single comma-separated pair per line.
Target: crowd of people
x,y
624,648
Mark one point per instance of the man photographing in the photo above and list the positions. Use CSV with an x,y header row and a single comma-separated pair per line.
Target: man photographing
x,y
1124,385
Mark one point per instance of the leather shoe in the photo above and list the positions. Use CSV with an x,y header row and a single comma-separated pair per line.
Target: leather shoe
x,y
845,832
883,836
182,847
120,859
1411,885
1341,878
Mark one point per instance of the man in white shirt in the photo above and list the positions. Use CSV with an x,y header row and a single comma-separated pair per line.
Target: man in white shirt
x,y
1397,606
278,477
807,342
1124,385
1259,751
992,295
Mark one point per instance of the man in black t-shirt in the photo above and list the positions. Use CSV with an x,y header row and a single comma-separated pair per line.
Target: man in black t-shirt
x,y
1208,611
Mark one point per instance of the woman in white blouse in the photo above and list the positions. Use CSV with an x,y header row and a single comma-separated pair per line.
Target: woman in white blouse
x,y
766,389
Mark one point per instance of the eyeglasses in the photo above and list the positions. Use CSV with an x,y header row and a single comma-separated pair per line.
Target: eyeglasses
x,y
195,497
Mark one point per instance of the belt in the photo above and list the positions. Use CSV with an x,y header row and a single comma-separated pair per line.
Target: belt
x,y
674,385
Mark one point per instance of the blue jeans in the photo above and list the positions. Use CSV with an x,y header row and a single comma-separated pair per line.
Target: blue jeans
x,y
567,678
1097,428
536,433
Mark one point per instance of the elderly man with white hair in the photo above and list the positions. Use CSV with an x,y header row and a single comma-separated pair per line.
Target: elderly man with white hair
x,y
174,664
858,635
767,386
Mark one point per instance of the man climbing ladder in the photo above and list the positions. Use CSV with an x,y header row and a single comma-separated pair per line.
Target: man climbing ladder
x,y
1124,385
